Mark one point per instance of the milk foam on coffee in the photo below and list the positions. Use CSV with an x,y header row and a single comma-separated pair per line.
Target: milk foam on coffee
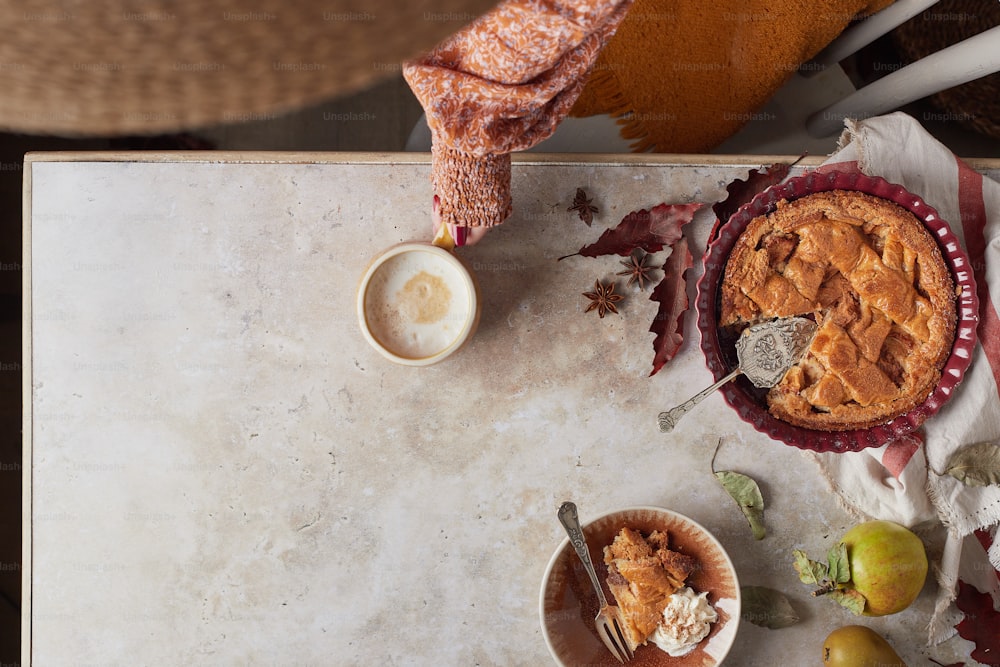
x,y
417,304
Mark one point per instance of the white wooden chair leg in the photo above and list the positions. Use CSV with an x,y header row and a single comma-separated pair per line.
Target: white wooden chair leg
x,y
965,61
862,34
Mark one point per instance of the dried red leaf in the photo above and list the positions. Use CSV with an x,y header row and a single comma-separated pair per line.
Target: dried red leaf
x,y
981,624
671,293
650,230
741,192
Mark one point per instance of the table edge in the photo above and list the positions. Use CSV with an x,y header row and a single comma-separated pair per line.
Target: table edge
x,y
402,157
26,418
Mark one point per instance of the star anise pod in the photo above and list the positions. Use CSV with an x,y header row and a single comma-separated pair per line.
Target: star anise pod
x,y
636,269
603,299
583,207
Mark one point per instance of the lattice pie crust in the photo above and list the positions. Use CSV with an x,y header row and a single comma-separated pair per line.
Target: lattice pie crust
x,y
875,281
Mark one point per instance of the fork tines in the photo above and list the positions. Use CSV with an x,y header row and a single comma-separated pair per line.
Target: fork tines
x,y
619,645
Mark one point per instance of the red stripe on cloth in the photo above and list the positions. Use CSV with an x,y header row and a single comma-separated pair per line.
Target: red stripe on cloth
x,y
848,167
899,452
972,209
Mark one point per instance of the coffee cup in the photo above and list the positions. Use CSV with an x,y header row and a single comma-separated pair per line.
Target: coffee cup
x,y
418,303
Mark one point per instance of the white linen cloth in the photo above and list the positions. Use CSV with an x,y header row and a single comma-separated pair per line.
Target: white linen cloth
x,y
898,481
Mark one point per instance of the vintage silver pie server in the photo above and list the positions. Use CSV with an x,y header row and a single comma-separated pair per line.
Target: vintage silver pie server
x,y
765,351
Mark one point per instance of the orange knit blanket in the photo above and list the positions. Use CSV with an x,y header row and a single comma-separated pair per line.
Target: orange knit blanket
x,y
681,77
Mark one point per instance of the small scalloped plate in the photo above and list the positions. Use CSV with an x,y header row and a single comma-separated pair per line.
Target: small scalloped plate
x,y
738,394
568,604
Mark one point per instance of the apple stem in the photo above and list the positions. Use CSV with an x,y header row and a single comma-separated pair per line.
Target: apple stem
x,y
826,587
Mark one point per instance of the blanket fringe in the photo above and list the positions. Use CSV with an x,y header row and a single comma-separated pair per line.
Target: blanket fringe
x,y
986,519
942,622
939,503
609,90
854,133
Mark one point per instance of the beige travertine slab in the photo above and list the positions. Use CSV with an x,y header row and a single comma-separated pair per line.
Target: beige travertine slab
x,y
220,470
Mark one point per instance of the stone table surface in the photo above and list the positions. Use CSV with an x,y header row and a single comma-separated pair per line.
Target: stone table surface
x,y
220,471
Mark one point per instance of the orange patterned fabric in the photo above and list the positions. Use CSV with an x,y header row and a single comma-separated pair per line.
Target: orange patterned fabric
x,y
503,84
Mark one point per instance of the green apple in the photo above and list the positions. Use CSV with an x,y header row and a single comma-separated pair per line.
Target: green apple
x,y
888,565
877,568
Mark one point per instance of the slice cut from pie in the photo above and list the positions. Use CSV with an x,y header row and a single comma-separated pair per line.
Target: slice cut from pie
x,y
643,572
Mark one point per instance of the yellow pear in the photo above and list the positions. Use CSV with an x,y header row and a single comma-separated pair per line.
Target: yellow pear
x,y
859,646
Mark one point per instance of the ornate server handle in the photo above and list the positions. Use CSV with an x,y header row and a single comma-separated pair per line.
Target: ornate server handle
x,y
668,420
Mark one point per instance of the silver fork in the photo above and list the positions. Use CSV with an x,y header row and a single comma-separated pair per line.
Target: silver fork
x,y
609,622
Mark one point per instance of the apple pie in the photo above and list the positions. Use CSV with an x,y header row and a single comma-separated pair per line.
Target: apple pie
x,y
642,574
873,278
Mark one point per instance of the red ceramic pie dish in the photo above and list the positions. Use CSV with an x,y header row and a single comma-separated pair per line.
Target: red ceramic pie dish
x,y
739,394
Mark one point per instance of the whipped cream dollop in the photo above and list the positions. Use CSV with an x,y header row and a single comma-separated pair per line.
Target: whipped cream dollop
x,y
687,620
